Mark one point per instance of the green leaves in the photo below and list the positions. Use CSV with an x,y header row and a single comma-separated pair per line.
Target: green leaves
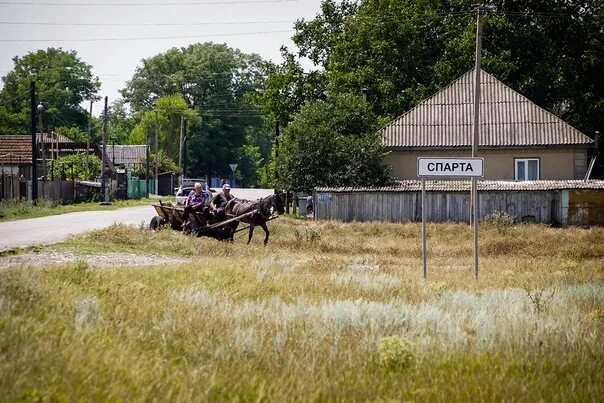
x,y
331,143
63,81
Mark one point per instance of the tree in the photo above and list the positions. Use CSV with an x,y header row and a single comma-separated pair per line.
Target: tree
x,y
166,164
166,118
63,82
80,165
403,51
332,143
214,80
120,122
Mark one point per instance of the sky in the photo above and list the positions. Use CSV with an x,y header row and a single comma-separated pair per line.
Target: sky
x,y
104,32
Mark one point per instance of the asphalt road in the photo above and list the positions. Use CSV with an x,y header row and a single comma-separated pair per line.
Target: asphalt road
x,y
56,228
52,229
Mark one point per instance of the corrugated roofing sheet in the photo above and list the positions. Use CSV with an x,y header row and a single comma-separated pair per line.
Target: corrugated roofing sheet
x,y
507,119
464,186
126,154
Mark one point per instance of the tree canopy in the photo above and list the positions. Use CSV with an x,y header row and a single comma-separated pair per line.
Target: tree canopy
x,y
400,52
331,142
215,81
63,82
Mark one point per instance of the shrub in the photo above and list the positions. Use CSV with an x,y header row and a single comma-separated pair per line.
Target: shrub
x,y
499,219
396,353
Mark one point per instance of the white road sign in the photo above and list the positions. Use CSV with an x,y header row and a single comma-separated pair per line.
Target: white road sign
x,y
450,166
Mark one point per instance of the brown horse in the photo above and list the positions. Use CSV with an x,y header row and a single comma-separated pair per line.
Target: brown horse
x,y
264,209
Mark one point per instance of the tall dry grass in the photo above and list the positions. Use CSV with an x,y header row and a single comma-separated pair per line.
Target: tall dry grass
x,y
328,311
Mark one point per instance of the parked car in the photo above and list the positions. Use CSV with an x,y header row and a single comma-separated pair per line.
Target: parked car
x,y
182,193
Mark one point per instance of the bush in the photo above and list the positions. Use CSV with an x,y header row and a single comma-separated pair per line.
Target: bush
x,y
499,219
396,353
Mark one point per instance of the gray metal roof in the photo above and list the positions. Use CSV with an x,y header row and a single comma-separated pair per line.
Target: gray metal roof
x,y
464,186
126,154
507,119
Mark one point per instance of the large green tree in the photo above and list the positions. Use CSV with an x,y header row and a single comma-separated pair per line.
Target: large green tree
x,y
215,80
63,82
331,142
401,51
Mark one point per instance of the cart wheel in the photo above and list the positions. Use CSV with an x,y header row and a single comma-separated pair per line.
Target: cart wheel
x,y
156,222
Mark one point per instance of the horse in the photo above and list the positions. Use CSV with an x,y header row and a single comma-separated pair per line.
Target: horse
x,y
264,209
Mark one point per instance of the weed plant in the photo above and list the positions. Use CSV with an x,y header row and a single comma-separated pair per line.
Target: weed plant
x,y
327,311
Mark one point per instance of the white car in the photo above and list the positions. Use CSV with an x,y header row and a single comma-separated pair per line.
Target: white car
x,y
183,193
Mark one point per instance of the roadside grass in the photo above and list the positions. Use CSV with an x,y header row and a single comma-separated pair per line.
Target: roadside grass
x,y
11,210
327,311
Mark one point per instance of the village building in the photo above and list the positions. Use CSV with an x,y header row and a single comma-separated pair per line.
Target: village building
x,y
518,139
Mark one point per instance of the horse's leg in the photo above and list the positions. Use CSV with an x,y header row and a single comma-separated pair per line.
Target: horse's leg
x,y
233,229
252,225
265,228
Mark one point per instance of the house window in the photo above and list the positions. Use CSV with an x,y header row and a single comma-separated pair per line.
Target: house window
x,y
526,169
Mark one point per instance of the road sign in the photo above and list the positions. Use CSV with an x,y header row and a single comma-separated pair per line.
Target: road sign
x,y
233,167
450,166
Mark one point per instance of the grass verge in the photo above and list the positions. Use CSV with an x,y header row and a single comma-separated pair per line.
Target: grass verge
x,y
328,311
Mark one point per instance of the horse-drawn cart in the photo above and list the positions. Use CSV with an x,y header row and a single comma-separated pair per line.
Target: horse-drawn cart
x,y
199,224
236,211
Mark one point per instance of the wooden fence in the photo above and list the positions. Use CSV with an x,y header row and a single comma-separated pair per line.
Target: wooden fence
x,y
12,187
551,207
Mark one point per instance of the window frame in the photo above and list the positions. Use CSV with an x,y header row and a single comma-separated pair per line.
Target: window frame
x,y
526,161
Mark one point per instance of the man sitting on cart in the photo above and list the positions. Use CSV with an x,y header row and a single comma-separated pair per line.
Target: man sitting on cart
x,y
220,201
197,201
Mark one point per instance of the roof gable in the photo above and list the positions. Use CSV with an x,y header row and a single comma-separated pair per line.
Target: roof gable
x,y
507,119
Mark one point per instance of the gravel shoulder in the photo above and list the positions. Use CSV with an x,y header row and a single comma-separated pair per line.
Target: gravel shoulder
x,y
112,259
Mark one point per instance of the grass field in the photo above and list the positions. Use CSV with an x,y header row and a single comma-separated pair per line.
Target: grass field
x,y
328,311
19,210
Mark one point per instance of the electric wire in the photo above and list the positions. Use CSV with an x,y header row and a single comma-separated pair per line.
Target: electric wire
x,y
145,38
145,4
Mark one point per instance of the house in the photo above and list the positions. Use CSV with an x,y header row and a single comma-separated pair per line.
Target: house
x,y
15,151
127,156
518,139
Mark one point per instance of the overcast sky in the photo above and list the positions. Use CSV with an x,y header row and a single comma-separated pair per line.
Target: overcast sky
x,y
102,31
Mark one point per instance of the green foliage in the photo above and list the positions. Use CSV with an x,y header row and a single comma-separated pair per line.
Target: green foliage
x,y
214,80
331,143
396,353
120,123
80,165
73,133
166,119
166,164
63,82
403,51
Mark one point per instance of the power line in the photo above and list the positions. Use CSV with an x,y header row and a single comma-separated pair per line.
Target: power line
x,y
145,38
144,24
186,3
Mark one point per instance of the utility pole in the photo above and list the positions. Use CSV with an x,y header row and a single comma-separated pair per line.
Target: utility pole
x,y
34,145
42,145
184,151
89,128
180,142
480,9
104,188
156,153
147,164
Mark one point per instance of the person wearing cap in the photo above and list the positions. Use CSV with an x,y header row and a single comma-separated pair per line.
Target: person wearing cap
x,y
220,200
197,201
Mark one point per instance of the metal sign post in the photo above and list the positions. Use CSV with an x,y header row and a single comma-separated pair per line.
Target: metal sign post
x,y
233,168
450,167
424,257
